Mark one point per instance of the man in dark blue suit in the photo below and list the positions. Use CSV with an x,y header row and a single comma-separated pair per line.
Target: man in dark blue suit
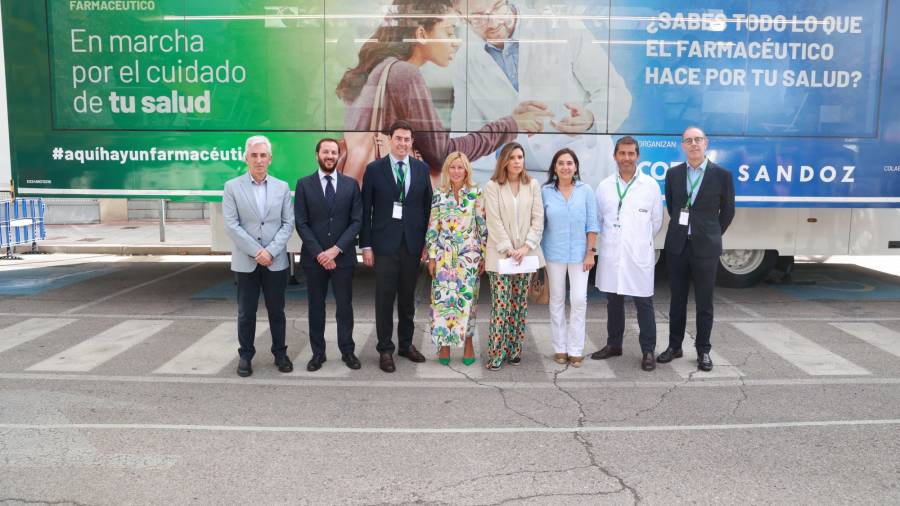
x,y
328,216
396,195
700,201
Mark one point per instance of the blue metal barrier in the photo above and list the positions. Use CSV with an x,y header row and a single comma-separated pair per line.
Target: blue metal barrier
x,y
21,222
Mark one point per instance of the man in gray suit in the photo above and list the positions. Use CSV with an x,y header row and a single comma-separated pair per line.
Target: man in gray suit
x,y
259,219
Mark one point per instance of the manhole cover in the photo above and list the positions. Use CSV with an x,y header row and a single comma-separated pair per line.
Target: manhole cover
x,y
128,228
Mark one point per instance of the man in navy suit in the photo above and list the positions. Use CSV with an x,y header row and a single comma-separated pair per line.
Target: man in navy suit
x,y
396,195
700,201
328,216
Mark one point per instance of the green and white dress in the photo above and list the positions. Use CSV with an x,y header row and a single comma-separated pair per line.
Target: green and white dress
x,y
456,239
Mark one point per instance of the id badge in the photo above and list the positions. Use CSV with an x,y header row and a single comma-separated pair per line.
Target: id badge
x,y
683,217
398,211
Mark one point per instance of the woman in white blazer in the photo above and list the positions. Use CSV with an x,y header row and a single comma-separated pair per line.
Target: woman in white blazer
x,y
515,222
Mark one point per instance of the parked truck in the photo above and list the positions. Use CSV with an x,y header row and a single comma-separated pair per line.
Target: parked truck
x,y
154,99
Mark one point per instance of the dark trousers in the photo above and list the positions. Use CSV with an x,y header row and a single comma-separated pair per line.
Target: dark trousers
x,y
615,321
341,278
395,277
273,284
685,269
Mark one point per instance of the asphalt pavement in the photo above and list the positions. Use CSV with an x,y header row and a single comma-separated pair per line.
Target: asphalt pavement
x,y
118,386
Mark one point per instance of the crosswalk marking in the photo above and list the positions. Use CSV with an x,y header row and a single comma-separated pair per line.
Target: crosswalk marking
x,y
334,367
810,357
32,328
590,369
209,354
212,352
95,351
432,369
874,334
686,367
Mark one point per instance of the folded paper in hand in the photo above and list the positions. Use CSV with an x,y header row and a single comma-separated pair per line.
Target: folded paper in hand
x,y
509,265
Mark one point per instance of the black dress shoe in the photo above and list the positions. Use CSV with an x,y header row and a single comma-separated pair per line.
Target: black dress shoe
x,y
669,355
284,364
351,361
648,363
244,368
315,363
386,362
704,363
606,352
412,353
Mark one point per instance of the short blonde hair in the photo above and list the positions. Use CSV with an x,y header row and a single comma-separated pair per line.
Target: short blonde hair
x,y
500,174
445,170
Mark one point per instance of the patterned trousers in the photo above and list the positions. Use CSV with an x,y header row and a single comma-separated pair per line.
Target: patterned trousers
x,y
509,311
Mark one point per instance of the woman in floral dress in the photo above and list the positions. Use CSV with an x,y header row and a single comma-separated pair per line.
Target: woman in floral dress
x,y
456,238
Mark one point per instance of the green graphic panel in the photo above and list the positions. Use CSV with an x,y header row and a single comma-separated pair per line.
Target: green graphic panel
x,y
197,65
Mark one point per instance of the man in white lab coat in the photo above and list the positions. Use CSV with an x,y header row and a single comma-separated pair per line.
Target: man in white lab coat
x,y
513,55
630,211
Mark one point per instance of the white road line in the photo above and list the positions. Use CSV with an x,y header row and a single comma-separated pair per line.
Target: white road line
x,y
95,351
874,334
590,369
799,351
130,289
686,367
448,430
25,331
743,307
281,381
209,354
334,367
432,369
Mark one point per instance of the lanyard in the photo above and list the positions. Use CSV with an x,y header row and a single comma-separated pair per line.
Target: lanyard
x,y
623,193
694,183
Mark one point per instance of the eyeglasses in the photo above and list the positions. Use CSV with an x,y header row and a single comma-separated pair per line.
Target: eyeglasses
x,y
482,19
693,140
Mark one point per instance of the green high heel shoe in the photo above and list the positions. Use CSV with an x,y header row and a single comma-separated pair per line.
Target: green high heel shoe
x,y
468,360
444,361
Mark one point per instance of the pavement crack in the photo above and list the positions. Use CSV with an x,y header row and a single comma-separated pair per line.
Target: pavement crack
x,y
548,496
588,447
503,395
742,388
19,500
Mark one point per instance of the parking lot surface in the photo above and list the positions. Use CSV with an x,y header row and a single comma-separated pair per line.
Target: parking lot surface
x,y
118,386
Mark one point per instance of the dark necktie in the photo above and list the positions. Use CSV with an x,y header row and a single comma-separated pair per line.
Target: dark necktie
x,y
329,193
401,180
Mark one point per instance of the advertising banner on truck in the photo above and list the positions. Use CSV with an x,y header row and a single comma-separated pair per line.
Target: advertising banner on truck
x,y
156,97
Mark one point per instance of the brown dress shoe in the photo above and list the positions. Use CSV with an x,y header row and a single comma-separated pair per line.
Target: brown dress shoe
x,y
386,362
606,352
412,353
560,358
575,361
648,363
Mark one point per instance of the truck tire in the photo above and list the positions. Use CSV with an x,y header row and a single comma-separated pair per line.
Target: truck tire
x,y
741,268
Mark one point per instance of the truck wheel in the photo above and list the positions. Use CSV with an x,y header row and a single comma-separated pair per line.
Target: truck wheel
x,y
741,268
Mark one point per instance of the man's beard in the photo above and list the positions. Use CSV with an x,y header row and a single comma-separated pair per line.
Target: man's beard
x,y
324,168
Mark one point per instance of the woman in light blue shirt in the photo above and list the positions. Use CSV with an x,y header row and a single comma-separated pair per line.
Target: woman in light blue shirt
x,y
570,231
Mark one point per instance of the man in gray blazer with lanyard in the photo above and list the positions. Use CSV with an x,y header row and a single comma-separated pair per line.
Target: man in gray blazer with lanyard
x,y
396,195
328,215
700,201
259,220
